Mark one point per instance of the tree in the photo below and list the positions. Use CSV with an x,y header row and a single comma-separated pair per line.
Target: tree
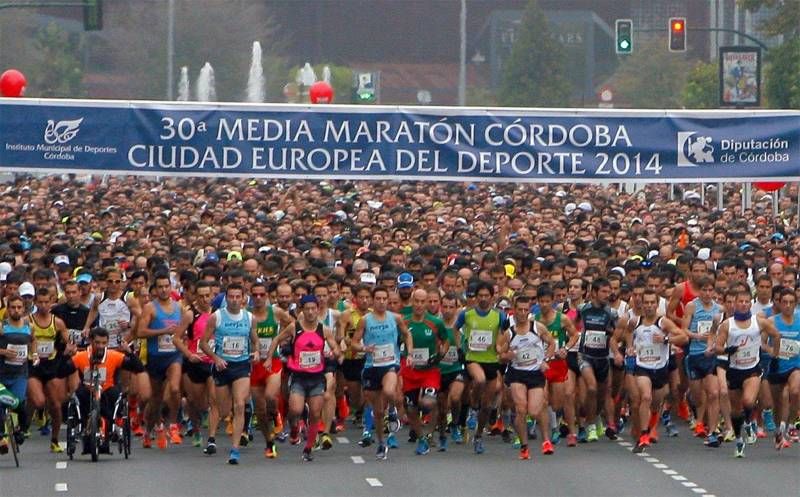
x,y
782,86
785,19
652,77
57,71
535,72
702,87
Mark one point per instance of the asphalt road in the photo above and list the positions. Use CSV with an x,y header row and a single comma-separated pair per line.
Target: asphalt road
x,y
678,467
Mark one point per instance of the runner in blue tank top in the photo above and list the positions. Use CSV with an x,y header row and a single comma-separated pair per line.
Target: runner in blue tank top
x,y
235,346
379,335
163,323
784,371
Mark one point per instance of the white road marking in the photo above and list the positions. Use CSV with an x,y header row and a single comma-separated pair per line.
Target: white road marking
x,y
343,440
670,472
625,444
699,490
689,484
678,478
660,466
61,465
357,459
374,482
651,459
61,487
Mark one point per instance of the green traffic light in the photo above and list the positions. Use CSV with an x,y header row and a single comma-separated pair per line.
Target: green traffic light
x,y
624,44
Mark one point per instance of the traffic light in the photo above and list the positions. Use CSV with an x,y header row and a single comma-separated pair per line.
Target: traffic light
x,y
92,15
365,87
624,36
677,34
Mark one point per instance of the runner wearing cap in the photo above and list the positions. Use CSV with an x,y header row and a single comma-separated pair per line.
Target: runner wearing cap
x,y
405,286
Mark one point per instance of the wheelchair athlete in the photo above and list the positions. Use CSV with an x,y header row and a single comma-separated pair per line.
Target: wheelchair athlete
x,y
109,363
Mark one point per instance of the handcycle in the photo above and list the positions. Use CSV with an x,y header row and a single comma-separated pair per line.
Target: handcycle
x,y
9,401
93,430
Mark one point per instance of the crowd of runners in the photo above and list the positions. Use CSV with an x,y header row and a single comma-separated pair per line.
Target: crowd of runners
x,y
441,313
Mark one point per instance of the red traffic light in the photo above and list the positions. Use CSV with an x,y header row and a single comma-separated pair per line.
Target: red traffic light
x,y
677,25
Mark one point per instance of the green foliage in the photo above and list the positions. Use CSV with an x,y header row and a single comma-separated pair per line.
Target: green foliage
x,y
702,87
652,77
57,71
341,80
783,75
786,19
535,72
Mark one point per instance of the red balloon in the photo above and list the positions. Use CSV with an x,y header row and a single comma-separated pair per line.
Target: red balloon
x,y
12,83
769,186
321,92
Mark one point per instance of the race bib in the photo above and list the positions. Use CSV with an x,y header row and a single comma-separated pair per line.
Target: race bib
x,y
310,359
595,339
45,347
451,357
746,357
115,340
419,357
233,346
648,354
383,355
263,346
21,356
480,340
164,343
789,349
527,357
704,327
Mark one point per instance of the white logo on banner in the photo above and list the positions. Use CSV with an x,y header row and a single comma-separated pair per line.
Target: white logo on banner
x,y
61,131
694,151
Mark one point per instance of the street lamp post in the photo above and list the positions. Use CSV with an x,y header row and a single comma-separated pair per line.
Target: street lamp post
x,y
462,69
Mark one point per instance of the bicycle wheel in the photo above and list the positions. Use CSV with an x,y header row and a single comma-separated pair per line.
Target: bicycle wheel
x,y
73,427
12,431
92,432
126,436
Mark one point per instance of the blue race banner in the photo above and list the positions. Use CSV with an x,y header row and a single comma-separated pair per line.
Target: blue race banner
x,y
411,143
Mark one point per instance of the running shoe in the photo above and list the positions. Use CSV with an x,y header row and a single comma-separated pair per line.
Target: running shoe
x,y
582,435
591,433
412,436
700,430
442,444
739,453
3,445
138,431
572,440
161,437
326,441
769,420
517,443
393,421
366,439
524,454
233,457
294,436
642,444
794,435
197,439
307,457
382,453
271,452
672,430
749,434
611,433
666,417
477,445
779,441
211,448
472,419
147,441
391,441
653,435
44,430
175,437
730,436
506,436
547,448
56,448
456,436
422,446
555,435
497,428
761,432
712,440
683,410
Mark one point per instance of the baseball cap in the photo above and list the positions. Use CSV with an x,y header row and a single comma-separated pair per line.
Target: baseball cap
x,y
704,253
61,259
84,278
405,280
235,255
368,277
212,257
585,206
27,289
308,299
5,268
